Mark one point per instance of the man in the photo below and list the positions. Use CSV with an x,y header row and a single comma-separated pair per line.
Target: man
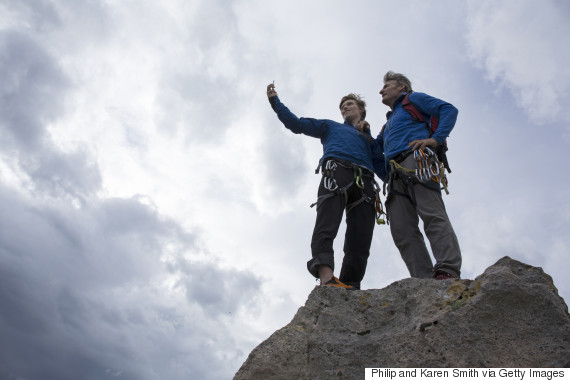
x,y
349,156
409,197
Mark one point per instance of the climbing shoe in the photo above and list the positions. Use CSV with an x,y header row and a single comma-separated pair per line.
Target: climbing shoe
x,y
441,275
337,284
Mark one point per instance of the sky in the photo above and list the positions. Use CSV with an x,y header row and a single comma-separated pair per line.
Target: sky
x,y
155,219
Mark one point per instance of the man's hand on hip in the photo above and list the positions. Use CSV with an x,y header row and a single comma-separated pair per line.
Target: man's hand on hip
x,y
420,144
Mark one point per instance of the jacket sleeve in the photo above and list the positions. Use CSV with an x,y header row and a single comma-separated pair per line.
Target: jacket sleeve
x,y
446,113
307,126
378,158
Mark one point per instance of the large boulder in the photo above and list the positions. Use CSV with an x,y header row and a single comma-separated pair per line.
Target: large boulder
x,y
510,316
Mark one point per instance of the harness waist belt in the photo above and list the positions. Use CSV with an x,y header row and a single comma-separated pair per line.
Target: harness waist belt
x,y
402,156
350,165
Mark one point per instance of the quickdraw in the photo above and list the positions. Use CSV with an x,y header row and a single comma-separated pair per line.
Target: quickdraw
x,y
429,168
329,181
378,205
358,177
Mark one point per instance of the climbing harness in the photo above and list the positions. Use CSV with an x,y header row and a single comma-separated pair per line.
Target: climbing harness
x,y
330,183
429,168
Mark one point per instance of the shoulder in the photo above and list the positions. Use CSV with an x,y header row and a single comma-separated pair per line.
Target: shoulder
x,y
429,104
418,97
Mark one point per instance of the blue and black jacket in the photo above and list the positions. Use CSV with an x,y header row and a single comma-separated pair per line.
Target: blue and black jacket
x,y
340,140
401,128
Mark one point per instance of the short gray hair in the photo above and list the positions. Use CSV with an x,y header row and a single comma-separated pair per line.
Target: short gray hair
x,y
400,78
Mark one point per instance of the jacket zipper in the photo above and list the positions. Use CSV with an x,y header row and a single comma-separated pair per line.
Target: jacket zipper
x,y
388,125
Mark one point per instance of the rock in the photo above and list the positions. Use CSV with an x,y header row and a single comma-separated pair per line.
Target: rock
x,y
510,316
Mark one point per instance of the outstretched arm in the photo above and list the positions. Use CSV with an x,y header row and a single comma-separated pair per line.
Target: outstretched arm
x,y
307,126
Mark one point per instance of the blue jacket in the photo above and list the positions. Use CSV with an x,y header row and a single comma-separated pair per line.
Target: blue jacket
x,y
401,129
341,141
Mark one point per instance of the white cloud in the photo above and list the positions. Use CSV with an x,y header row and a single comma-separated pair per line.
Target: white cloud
x,y
517,43
155,213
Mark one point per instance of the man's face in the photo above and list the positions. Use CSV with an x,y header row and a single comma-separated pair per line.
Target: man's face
x,y
391,91
350,111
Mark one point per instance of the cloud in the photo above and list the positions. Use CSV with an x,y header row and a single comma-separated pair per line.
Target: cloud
x,y
517,43
155,213
95,291
33,89
32,98
94,286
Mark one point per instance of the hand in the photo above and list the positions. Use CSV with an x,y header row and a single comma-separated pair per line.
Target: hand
x,y
362,126
420,144
271,90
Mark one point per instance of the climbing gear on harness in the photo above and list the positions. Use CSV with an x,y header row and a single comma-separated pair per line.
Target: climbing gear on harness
x,y
428,168
329,183
378,205
358,178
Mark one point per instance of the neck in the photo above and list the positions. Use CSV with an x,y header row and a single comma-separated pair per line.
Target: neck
x,y
391,105
352,122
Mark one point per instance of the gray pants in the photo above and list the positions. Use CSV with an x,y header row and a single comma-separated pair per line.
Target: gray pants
x,y
403,216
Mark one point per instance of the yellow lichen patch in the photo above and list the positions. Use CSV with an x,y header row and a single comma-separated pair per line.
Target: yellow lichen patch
x,y
455,290
363,301
477,286
458,294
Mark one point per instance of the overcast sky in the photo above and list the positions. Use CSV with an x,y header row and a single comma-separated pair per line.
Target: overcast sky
x,y
155,219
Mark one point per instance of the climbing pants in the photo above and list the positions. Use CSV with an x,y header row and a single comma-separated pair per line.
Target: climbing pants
x,y
360,220
407,202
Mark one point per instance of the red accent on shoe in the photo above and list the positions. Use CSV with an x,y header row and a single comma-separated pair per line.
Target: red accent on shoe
x,y
441,275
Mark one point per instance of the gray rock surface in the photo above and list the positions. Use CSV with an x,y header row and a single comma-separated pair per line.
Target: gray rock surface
x,y
510,316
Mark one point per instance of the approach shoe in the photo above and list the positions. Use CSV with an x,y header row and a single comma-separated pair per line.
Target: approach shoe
x,y
441,275
337,284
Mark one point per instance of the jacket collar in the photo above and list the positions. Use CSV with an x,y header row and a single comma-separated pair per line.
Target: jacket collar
x,y
398,101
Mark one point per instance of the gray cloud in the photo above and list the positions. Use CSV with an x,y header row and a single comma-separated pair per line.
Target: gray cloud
x,y
33,90
511,39
82,278
32,97
96,286
199,93
80,297
220,292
